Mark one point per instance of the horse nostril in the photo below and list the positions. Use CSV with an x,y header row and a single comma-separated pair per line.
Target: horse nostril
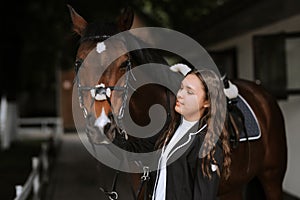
x,y
110,116
106,128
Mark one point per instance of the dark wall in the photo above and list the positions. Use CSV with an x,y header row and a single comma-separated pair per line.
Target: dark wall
x,y
11,47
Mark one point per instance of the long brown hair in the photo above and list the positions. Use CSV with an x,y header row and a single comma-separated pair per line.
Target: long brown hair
x,y
214,117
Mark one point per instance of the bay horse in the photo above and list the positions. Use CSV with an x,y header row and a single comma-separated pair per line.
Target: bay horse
x,y
264,159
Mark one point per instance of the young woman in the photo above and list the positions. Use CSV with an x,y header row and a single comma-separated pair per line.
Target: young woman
x,y
195,149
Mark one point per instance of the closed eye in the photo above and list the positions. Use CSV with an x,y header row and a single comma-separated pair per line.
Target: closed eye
x,y
190,92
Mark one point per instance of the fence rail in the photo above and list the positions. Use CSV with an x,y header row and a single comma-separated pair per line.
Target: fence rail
x,y
11,126
41,125
37,177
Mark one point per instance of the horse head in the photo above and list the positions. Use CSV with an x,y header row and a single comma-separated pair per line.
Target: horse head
x,y
104,77
100,78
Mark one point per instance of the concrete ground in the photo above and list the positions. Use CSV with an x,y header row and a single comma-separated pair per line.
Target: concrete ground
x,y
77,175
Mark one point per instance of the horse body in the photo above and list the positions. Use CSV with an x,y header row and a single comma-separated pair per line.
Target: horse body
x,y
264,158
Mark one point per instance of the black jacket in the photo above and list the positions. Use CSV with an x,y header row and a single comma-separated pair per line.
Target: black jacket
x,y
185,179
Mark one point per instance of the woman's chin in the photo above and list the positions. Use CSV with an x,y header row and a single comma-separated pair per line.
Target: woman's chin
x,y
178,109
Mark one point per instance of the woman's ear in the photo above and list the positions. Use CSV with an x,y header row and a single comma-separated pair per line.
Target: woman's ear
x,y
206,105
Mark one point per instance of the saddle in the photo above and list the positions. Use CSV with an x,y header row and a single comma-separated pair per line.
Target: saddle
x,y
235,120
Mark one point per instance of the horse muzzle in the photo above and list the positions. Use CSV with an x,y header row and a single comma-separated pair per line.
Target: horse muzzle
x,y
101,130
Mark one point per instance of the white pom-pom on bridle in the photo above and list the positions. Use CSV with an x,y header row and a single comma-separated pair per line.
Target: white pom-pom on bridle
x,y
100,92
100,47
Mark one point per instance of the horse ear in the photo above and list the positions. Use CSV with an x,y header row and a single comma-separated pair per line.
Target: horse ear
x,y
126,18
79,23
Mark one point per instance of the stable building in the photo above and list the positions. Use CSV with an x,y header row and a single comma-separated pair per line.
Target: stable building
x,y
260,41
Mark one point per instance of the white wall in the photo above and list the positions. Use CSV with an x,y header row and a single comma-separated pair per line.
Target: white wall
x,y
243,43
291,106
291,112
292,47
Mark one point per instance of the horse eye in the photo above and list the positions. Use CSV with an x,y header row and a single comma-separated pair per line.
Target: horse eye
x,y
124,65
77,64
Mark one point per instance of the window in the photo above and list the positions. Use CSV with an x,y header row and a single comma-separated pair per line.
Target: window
x,y
292,47
270,63
276,63
226,62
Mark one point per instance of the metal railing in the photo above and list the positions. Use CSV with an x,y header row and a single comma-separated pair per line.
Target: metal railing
x,y
37,177
52,126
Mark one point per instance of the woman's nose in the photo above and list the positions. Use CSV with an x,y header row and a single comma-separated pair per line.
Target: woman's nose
x,y
179,94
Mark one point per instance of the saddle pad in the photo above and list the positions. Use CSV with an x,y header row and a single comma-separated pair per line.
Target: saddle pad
x,y
251,123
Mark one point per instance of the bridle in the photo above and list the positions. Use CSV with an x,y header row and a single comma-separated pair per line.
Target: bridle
x,y
104,91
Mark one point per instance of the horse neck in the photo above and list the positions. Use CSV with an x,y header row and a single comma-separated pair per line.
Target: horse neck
x,y
146,97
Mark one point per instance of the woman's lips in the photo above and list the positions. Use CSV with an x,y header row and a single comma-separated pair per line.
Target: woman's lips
x,y
178,103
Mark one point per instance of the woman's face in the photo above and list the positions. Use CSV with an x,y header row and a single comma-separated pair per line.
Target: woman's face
x,y
191,101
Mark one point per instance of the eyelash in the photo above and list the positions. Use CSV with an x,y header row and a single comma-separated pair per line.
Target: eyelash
x,y
188,91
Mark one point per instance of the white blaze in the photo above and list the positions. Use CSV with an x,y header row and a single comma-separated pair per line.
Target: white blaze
x,y
102,120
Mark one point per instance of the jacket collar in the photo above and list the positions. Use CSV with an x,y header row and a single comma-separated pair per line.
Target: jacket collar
x,y
185,142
